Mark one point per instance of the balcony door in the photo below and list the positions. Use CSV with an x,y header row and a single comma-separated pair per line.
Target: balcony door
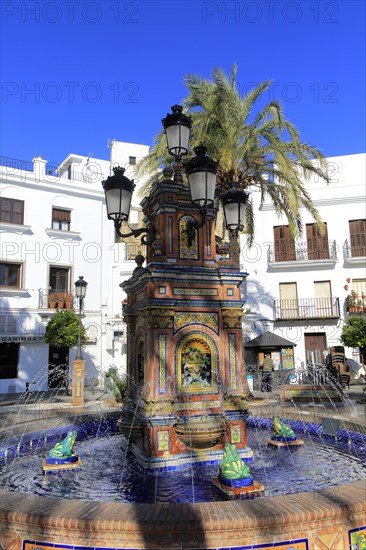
x,y
284,244
357,230
323,299
59,279
318,248
289,304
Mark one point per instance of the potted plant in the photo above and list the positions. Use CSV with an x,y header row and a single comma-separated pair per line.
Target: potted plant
x,y
69,300
52,300
60,300
350,303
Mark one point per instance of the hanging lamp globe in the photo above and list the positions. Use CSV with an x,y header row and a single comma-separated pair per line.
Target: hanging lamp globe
x,y
234,202
118,191
201,171
80,287
177,128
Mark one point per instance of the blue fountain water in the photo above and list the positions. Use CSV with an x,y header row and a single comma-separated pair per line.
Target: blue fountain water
x,y
316,465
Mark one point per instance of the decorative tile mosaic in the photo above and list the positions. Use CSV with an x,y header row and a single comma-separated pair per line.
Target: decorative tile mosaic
x,y
230,292
210,320
208,238
162,289
233,375
162,363
357,538
196,291
186,251
163,440
300,544
235,433
170,234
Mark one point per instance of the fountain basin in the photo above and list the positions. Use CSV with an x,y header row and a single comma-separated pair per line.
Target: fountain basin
x,y
197,434
48,521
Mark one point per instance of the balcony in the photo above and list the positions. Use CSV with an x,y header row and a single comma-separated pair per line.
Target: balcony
x,y
355,303
307,308
56,299
300,253
356,253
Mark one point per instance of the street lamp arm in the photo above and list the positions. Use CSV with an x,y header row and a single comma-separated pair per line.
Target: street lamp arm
x,y
193,225
147,239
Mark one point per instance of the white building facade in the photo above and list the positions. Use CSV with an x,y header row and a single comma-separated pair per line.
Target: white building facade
x,y
54,228
303,290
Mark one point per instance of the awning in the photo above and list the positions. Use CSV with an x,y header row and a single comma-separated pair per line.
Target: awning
x,y
269,340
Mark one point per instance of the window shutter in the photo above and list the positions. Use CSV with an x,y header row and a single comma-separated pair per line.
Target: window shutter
x,y
284,244
60,215
357,230
318,248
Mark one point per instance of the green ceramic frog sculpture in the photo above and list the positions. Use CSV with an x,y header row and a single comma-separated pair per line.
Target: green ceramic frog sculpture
x,y
65,448
232,466
282,429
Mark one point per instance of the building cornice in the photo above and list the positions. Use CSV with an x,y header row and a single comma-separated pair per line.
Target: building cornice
x,y
52,185
332,201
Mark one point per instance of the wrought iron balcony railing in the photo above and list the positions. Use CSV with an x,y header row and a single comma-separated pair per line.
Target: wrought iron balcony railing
x,y
56,299
17,164
357,250
307,308
290,251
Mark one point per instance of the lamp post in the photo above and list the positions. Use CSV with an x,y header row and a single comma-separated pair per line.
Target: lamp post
x,y
78,365
80,292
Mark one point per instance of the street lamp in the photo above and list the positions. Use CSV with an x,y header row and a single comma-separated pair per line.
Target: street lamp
x,y
201,172
234,202
80,292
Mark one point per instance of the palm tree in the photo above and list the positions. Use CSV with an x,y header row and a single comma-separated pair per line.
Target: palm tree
x,y
261,150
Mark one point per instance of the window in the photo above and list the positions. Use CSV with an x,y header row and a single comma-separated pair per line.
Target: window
x,y
317,244
284,244
134,249
9,354
10,275
61,219
117,335
59,279
359,286
11,211
132,160
357,230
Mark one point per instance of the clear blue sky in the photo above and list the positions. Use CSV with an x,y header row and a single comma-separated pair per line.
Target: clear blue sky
x,y
78,73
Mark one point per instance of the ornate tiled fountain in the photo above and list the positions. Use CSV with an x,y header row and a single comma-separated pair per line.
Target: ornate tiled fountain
x,y
184,339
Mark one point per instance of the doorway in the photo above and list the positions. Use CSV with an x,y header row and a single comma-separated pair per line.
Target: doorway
x,y
58,368
315,345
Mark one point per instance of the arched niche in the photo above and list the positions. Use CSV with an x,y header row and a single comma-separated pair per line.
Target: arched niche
x,y
196,364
